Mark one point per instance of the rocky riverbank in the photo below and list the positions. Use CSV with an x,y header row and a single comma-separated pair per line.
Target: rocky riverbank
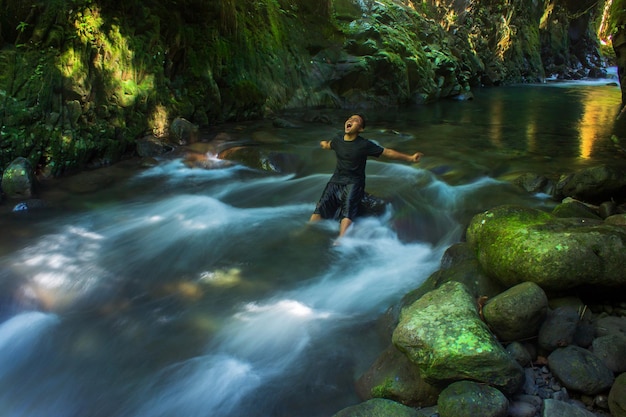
x,y
524,319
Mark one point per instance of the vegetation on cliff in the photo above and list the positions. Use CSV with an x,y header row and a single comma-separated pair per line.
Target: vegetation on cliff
x,y
81,80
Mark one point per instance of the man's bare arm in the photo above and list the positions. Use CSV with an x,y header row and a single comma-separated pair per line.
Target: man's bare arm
x,y
393,154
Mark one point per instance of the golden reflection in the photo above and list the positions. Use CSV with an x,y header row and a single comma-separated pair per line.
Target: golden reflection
x,y
594,114
497,121
531,135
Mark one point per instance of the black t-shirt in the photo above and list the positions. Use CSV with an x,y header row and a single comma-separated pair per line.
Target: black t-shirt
x,y
352,158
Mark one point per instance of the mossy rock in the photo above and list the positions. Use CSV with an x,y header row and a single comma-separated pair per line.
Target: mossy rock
x,y
378,407
517,244
444,336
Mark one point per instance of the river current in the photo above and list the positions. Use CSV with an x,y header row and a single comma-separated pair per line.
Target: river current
x,y
165,290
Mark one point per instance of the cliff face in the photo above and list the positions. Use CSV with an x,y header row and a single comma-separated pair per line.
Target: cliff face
x,y
81,80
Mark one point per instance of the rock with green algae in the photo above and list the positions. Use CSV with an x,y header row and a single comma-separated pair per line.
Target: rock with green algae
x,y
573,208
443,335
518,244
469,399
379,407
394,377
17,179
517,313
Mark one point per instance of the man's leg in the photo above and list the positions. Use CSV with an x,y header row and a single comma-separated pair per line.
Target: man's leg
x,y
315,217
344,225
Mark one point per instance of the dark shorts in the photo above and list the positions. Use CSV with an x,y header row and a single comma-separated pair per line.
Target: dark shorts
x,y
339,201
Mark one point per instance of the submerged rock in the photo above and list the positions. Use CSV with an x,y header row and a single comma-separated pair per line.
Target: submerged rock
x,y
259,158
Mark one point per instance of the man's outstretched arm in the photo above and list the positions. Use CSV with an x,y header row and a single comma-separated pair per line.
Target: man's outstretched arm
x,y
325,144
393,154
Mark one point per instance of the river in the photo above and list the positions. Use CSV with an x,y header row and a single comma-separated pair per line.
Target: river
x,y
162,290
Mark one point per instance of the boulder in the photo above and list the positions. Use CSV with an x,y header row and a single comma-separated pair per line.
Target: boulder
x,y
533,183
517,244
611,349
379,407
516,313
469,399
595,184
183,132
559,328
617,397
610,325
18,179
616,219
150,146
580,370
556,408
394,377
607,209
573,208
519,353
444,336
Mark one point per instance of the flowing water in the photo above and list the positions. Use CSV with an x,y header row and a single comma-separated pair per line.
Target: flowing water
x,y
172,291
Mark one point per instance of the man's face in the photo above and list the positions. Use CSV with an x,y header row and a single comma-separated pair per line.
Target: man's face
x,y
353,124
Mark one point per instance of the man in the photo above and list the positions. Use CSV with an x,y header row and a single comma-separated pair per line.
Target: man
x,y
346,188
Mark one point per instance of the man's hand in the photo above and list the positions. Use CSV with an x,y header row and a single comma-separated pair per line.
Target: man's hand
x,y
416,157
325,144
393,154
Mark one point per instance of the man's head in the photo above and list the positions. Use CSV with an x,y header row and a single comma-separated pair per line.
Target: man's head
x,y
355,124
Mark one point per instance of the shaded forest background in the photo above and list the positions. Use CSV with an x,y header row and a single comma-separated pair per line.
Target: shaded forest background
x,y
82,80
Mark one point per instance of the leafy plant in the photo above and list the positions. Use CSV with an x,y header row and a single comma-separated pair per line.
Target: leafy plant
x,y
21,27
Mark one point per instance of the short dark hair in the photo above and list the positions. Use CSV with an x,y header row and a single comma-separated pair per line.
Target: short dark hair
x,y
362,119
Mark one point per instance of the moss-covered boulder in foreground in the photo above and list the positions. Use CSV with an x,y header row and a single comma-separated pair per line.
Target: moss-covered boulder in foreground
x,y
378,407
517,244
443,335
394,377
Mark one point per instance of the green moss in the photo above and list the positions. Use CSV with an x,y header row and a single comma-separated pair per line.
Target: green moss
x,y
384,389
